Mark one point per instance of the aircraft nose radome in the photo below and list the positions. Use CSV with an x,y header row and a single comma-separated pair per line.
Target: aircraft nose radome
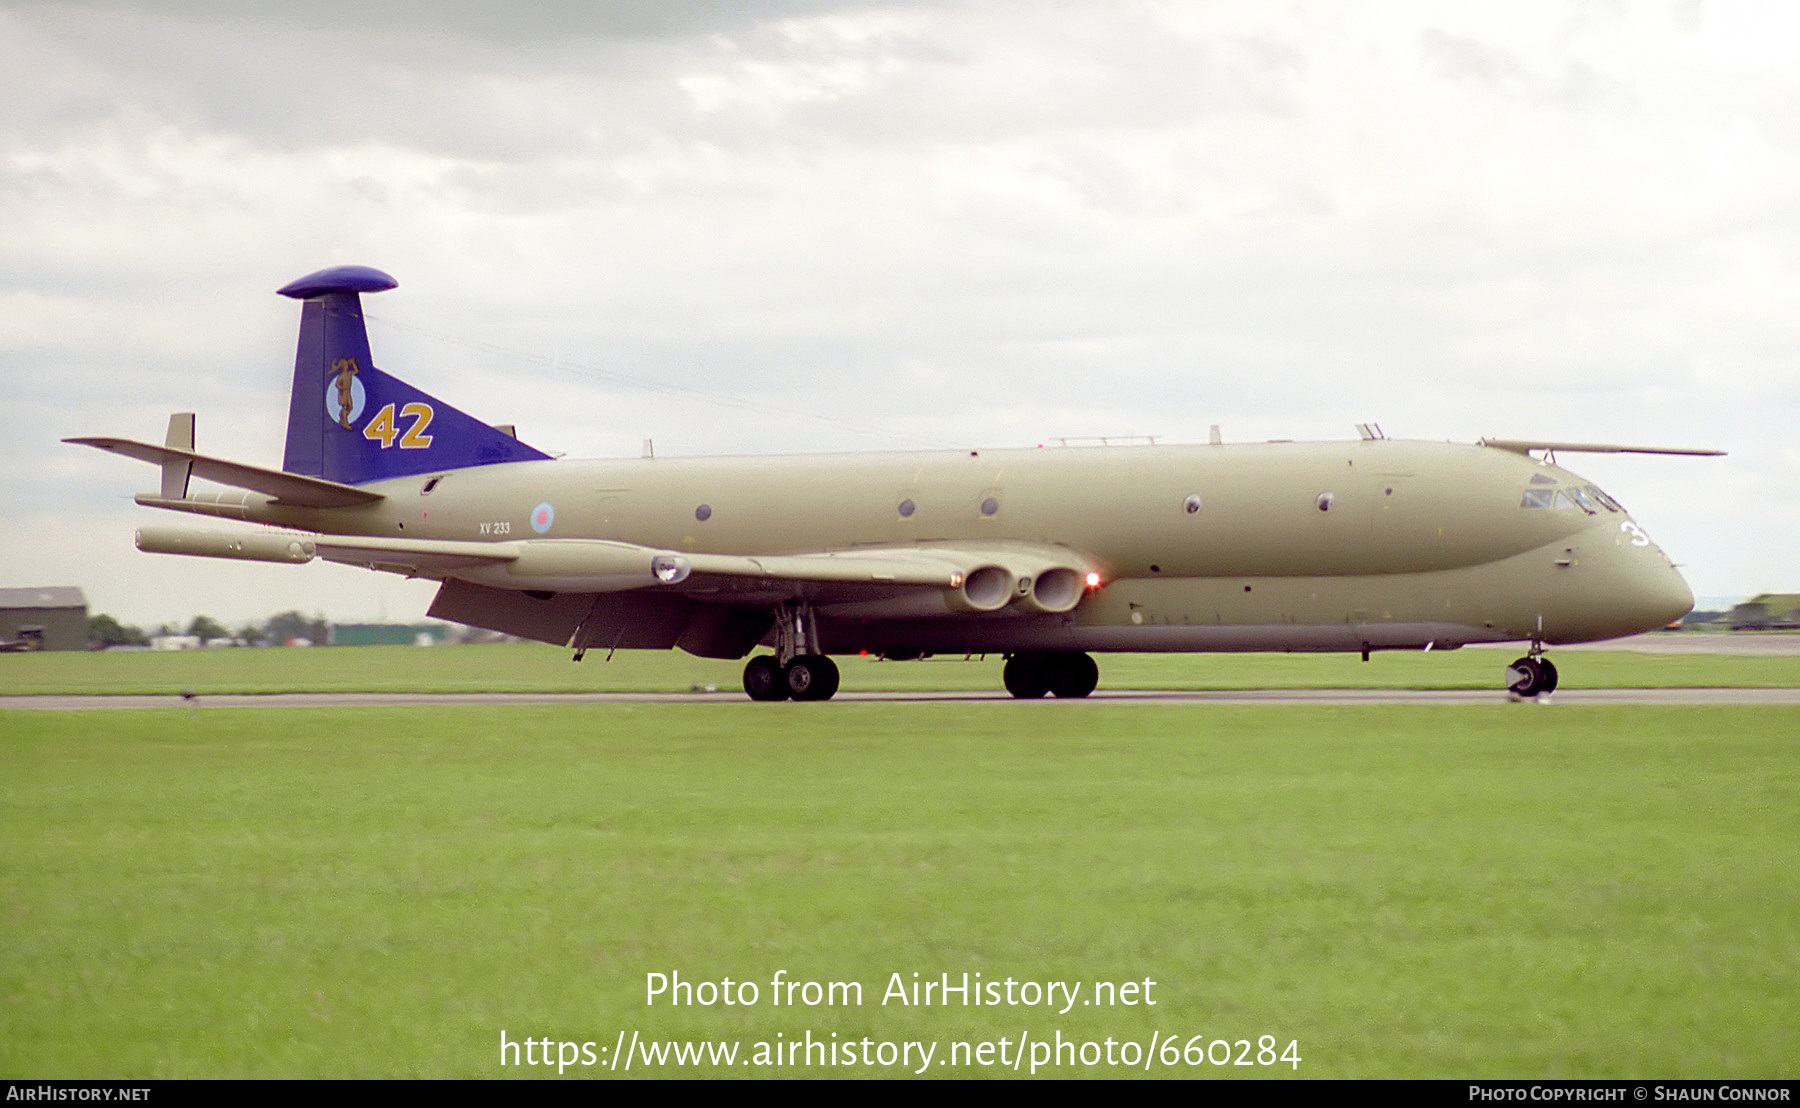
x,y
1677,599
1659,596
1634,588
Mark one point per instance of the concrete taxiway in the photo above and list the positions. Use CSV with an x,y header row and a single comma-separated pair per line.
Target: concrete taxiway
x,y
1686,642
1762,697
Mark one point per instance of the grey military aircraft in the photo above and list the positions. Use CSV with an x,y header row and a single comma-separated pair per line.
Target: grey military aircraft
x,y
1040,555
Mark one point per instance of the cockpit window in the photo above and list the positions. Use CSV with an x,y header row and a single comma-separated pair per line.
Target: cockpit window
x,y
1585,497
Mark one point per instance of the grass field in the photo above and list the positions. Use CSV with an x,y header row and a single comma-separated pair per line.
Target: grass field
x,y
531,667
1466,891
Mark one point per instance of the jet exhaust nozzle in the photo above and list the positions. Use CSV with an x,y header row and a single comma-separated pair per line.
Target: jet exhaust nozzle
x,y
1053,590
1024,585
984,589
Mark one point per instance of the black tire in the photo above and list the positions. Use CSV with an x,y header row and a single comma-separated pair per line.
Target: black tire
x,y
1026,676
1529,677
764,680
811,677
1073,675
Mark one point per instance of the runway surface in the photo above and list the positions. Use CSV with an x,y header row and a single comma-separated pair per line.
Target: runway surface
x,y
1744,644
1654,643
1765,697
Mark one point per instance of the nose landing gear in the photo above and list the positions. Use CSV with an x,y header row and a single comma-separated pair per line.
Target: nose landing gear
x,y
1532,676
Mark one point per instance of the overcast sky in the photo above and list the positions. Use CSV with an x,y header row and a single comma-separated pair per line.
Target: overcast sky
x,y
774,227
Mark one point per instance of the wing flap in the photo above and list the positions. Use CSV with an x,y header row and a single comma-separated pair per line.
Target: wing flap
x,y
856,567
436,558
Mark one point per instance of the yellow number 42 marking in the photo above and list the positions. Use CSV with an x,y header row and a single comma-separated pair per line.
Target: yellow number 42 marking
x,y
384,429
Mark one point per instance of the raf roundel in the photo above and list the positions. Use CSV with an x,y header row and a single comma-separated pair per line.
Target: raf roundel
x,y
542,517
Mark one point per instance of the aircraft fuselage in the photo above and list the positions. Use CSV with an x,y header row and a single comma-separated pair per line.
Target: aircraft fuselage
x,y
1376,544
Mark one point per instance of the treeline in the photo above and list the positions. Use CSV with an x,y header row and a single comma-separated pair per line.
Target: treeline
x,y
277,630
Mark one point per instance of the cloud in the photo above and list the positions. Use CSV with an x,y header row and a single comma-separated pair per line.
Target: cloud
x,y
850,225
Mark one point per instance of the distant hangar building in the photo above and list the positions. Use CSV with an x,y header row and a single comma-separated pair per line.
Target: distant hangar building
x,y
1769,611
54,618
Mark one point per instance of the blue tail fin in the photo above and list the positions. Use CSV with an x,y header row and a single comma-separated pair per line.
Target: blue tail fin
x,y
350,422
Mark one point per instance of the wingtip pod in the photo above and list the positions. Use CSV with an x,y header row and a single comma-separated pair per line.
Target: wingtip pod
x,y
338,278
984,588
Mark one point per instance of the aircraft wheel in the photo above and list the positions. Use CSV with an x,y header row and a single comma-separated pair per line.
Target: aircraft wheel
x,y
1530,677
1073,675
1026,676
763,679
812,677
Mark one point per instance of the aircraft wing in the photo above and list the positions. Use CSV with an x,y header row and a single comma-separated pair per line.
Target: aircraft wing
x,y
1526,446
594,565
288,488
921,579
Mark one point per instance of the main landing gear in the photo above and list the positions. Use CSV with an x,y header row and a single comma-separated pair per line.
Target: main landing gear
x,y
796,671
807,677
1532,676
1029,675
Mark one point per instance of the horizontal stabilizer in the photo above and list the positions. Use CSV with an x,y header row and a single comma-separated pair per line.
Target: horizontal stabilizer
x,y
288,488
1526,446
